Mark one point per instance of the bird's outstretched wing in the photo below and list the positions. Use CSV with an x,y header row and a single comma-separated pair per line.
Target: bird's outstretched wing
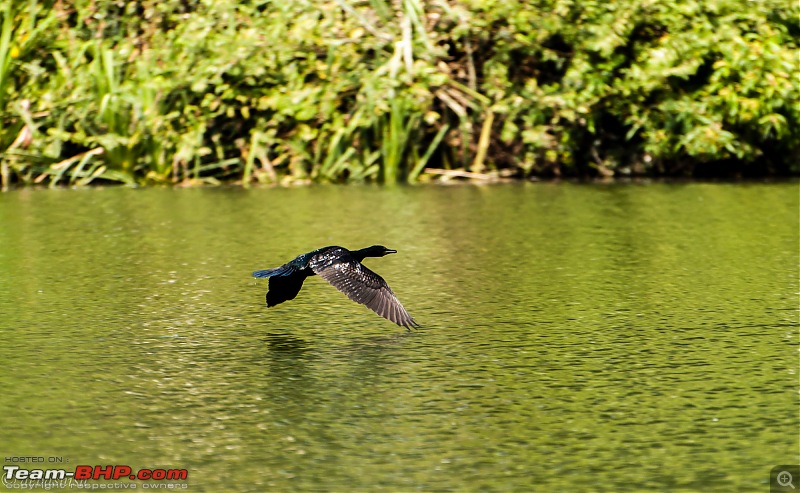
x,y
363,286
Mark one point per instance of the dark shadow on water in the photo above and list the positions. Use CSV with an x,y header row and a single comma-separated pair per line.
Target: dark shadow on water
x,y
285,343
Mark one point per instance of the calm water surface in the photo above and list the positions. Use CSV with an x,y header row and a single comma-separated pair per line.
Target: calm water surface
x,y
576,337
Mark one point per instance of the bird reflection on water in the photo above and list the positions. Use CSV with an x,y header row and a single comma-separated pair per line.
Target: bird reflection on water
x,y
285,343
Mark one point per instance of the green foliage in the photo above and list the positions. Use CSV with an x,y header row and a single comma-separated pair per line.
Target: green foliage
x,y
262,91
646,86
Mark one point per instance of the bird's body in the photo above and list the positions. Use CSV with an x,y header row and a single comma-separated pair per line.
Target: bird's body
x,y
344,270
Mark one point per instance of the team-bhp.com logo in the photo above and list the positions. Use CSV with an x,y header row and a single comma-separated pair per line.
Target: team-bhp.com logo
x,y
119,472
83,474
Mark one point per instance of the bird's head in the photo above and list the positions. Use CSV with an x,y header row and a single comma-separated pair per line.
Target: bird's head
x,y
377,251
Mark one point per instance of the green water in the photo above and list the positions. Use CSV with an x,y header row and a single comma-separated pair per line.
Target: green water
x,y
605,338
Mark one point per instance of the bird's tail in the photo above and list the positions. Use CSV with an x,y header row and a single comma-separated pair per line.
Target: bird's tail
x,y
277,271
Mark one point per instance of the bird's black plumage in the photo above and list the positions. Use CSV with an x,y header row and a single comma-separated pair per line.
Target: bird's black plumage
x,y
344,270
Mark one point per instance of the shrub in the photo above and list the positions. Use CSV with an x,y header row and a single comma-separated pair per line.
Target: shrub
x,y
182,92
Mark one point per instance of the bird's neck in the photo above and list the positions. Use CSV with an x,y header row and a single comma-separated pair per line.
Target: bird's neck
x,y
361,254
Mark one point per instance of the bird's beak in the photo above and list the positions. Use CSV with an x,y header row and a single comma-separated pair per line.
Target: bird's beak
x,y
387,252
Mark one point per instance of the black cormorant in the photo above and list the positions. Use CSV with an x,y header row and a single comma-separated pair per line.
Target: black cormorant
x,y
344,270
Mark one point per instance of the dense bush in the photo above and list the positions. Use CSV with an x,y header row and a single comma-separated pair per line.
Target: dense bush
x,y
171,91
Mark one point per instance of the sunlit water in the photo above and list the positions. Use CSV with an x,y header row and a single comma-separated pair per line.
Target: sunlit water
x,y
576,337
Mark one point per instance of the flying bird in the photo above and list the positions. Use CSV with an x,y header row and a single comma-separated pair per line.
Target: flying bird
x,y
344,270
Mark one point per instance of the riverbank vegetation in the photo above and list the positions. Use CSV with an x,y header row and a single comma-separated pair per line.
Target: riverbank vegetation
x,y
175,92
